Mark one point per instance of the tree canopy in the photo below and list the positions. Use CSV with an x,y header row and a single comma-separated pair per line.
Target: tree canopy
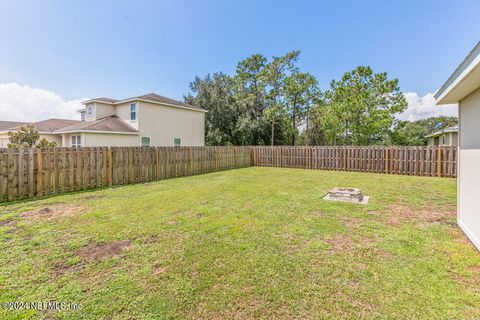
x,y
413,133
271,101
26,137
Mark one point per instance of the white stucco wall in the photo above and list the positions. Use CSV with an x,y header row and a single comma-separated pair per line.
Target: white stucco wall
x,y
469,167
163,124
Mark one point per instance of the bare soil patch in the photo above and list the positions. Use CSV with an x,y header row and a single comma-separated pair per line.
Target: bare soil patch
x,y
7,222
54,211
402,213
159,270
351,223
61,268
97,251
341,243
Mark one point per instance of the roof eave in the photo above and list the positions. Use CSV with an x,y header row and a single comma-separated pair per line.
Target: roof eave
x,y
95,131
96,100
463,81
144,100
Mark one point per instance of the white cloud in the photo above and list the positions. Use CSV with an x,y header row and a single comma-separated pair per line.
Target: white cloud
x,y
24,103
424,107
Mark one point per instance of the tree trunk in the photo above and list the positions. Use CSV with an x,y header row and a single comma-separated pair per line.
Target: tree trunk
x,y
294,125
273,132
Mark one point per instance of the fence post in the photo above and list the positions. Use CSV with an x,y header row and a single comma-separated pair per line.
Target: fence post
x,y
110,166
439,167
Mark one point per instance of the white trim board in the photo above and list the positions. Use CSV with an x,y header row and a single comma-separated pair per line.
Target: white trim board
x,y
475,241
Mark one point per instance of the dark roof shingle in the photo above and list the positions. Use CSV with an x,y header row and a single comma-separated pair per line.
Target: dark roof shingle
x,y
50,125
158,98
6,125
150,97
110,123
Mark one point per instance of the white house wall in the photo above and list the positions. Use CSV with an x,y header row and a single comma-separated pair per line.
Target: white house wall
x,y
469,167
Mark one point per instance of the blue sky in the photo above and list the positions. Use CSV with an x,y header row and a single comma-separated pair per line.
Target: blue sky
x,y
117,49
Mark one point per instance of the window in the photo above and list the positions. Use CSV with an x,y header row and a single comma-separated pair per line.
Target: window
x,y
76,141
145,141
90,109
133,112
177,142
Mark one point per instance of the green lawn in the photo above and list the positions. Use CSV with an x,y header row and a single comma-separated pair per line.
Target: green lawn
x,y
247,243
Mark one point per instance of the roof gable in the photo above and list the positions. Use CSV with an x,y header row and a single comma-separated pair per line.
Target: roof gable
x,y
150,97
110,124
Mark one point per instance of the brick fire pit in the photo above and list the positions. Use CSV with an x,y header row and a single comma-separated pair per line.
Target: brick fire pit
x,y
352,195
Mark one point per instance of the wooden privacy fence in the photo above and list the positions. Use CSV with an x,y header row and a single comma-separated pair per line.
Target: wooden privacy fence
x,y
26,173
418,161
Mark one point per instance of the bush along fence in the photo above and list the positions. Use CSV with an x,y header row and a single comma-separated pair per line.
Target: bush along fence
x,y
418,161
30,172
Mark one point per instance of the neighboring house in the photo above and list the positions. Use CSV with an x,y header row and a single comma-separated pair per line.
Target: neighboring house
x,y
148,120
445,137
463,87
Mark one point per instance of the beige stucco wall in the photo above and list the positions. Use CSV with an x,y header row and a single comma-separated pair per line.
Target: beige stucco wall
x,y
102,110
53,137
123,112
469,169
4,139
109,140
453,139
162,124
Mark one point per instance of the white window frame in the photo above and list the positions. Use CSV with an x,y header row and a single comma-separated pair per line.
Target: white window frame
x,y
136,112
78,140
149,141
90,107
174,142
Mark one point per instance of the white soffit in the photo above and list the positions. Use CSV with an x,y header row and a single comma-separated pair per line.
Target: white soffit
x,y
464,80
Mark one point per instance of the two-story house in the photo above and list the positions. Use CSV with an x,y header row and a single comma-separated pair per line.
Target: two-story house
x,y
148,120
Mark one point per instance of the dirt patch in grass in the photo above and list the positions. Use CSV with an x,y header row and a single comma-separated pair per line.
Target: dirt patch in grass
x,y
341,243
159,270
149,239
54,211
62,267
8,222
351,223
97,251
399,213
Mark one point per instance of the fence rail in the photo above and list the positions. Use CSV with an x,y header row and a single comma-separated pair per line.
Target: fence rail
x,y
418,161
26,173
30,172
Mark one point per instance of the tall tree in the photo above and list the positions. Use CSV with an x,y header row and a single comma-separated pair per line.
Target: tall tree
x,y
250,97
274,76
301,91
214,93
361,107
